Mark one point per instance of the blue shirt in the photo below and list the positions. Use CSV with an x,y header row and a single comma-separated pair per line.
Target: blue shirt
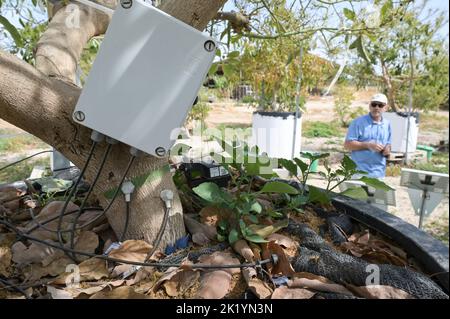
x,y
364,129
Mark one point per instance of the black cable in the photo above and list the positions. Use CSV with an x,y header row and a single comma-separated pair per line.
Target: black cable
x,y
127,220
7,285
123,261
24,159
91,187
160,234
56,217
71,193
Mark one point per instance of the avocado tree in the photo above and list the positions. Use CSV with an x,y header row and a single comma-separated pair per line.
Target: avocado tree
x,y
40,99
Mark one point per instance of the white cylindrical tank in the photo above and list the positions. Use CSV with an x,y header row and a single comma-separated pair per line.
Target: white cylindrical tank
x,y
399,125
273,133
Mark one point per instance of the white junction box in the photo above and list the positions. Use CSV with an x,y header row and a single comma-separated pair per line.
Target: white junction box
x,y
399,125
145,77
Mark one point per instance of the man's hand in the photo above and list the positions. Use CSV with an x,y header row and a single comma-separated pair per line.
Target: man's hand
x,y
375,147
387,150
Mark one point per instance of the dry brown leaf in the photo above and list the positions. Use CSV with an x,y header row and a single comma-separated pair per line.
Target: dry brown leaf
x,y
7,239
35,272
256,249
379,292
12,205
284,292
121,269
87,242
200,239
142,274
59,293
91,269
214,285
242,248
36,253
169,273
194,227
220,258
308,280
181,282
124,292
283,266
260,288
5,260
211,215
282,240
132,250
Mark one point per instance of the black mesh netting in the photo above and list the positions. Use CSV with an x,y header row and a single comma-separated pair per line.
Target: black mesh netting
x,y
317,257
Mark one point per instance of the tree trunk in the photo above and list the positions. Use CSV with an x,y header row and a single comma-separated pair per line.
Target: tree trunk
x,y
389,86
39,103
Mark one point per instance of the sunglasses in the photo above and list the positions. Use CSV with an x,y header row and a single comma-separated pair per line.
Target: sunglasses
x,y
380,105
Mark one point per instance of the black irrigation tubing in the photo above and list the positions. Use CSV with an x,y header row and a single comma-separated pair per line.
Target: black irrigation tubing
x,y
127,220
24,159
71,193
136,263
39,224
160,234
91,187
8,285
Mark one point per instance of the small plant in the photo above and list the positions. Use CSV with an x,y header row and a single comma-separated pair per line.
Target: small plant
x,y
246,214
320,129
334,178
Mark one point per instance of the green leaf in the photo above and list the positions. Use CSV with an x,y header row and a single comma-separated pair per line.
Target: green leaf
x,y
233,236
348,164
302,165
356,193
223,225
212,193
264,230
255,239
385,9
227,69
375,183
12,30
358,45
257,208
279,187
349,14
317,196
289,165
220,238
253,219
233,55
213,69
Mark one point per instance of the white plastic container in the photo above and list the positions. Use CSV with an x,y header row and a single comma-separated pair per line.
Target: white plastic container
x,y
273,133
399,125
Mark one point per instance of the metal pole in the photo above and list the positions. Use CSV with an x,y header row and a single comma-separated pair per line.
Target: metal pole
x,y
297,99
422,207
411,83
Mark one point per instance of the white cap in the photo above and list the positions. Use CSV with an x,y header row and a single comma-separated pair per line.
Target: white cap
x,y
379,98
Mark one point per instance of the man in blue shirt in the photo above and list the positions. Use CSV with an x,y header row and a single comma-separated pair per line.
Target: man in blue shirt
x,y
369,138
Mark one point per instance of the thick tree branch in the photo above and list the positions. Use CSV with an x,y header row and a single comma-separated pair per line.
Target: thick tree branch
x,y
239,21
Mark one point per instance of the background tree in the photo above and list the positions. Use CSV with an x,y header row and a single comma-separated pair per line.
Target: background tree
x,y
41,99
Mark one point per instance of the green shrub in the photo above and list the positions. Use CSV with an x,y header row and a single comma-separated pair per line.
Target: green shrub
x,y
320,129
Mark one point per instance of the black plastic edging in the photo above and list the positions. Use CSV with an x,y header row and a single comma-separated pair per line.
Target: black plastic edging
x,y
432,254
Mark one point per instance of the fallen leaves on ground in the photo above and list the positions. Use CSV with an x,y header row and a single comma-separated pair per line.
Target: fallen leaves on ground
x,y
243,249
132,250
124,292
319,283
87,242
195,227
91,269
258,287
379,292
5,260
214,285
284,292
283,266
374,250
211,215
